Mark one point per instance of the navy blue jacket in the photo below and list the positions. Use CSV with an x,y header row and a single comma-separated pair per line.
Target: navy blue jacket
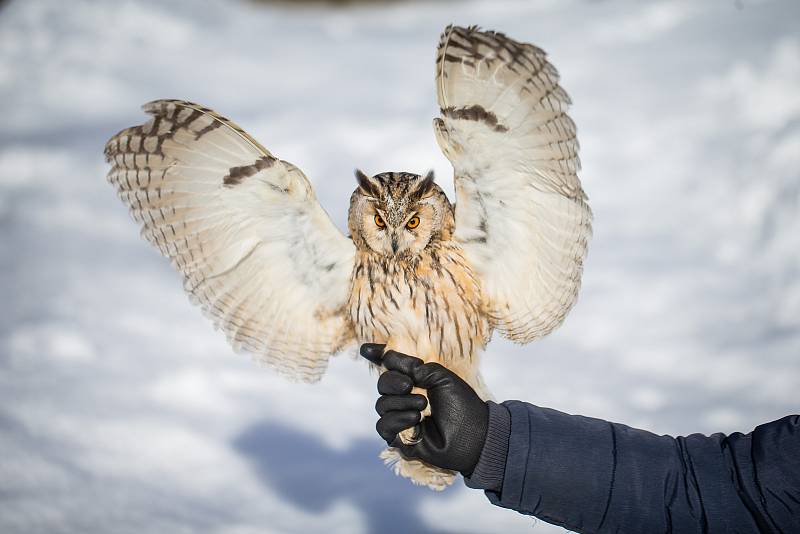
x,y
589,475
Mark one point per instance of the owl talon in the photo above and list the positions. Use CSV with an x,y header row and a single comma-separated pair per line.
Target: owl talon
x,y
411,436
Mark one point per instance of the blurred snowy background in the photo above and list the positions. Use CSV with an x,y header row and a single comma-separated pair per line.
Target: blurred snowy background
x,y
121,410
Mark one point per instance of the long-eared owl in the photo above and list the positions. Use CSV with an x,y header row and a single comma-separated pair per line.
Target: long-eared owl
x,y
264,261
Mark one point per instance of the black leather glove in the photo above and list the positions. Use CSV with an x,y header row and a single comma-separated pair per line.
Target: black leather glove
x,y
452,437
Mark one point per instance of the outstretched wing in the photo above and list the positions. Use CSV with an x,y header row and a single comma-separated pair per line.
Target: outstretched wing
x,y
255,248
521,214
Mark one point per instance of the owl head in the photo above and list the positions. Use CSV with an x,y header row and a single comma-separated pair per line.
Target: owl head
x,y
398,213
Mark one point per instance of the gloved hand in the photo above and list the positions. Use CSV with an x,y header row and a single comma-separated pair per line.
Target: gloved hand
x,y
452,437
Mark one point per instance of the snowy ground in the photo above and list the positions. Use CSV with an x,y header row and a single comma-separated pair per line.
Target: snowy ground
x,y
121,410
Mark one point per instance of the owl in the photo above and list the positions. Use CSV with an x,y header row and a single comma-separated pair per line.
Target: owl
x,y
264,261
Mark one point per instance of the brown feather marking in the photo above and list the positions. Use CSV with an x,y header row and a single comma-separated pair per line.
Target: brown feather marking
x,y
475,113
236,175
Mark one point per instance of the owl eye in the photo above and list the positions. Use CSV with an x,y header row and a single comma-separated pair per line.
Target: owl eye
x,y
413,222
379,221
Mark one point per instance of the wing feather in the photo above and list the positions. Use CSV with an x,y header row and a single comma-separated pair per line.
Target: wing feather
x,y
256,250
521,213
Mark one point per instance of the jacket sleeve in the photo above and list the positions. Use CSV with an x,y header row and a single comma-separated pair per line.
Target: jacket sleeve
x,y
593,476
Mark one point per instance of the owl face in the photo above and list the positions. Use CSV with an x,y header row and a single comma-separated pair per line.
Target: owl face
x,y
398,213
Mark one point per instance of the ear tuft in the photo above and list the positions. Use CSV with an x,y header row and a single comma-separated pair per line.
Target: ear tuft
x,y
425,184
366,185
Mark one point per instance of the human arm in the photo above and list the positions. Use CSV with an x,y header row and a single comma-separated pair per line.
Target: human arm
x,y
590,475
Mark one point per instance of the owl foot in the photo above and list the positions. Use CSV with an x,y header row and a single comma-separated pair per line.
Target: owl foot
x,y
417,471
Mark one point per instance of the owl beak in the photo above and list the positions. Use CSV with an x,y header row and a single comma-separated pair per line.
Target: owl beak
x,y
394,244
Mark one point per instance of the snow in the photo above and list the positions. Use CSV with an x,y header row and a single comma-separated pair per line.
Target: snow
x,y
121,410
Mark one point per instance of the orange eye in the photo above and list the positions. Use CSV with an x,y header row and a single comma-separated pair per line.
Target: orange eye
x,y
413,222
379,221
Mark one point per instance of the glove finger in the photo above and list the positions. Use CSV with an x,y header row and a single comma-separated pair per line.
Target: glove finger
x,y
372,352
429,375
397,361
398,403
393,423
394,383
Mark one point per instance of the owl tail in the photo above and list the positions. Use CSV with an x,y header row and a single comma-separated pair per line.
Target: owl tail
x,y
419,472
